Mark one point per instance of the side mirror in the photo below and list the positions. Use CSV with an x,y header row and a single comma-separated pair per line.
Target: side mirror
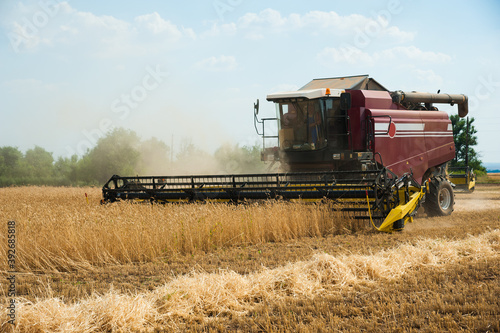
x,y
345,101
256,107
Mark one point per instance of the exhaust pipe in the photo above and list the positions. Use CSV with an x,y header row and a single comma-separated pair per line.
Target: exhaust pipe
x,y
428,98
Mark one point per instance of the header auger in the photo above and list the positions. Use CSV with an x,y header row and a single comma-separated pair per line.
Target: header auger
x,y
379,155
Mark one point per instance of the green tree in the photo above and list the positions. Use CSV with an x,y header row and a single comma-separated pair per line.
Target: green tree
x,y
236,159
11,165
67,171
464,141
116,153
155,157
9,160
191,160
40,165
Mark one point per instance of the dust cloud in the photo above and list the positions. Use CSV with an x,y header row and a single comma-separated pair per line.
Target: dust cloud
x,y
483,198
156,158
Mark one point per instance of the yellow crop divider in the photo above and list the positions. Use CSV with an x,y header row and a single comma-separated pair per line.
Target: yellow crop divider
x,y
401,212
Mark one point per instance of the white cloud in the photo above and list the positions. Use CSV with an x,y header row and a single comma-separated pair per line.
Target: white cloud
x,y
331,22
353,55
267,17
353,25
20,36
349,55
32,25
104,23
399,35
217,64
315,23
413,52
188,32
215,30
67,28
157,25
101,36
29,85
429,78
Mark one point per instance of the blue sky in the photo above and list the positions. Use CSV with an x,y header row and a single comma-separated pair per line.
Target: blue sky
x,y
71,70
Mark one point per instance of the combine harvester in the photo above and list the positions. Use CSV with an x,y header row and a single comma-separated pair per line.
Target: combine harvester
x,y
379,154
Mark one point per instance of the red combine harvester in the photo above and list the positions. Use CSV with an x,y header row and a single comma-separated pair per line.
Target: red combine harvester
x,y
380,154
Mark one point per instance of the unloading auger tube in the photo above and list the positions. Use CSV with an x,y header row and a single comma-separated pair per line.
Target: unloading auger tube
x,y
429,99
377,196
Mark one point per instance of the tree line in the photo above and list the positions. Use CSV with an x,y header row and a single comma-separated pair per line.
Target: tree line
x,y
124,153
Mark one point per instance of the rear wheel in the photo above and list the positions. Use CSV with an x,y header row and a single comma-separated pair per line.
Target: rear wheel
x,y
440,199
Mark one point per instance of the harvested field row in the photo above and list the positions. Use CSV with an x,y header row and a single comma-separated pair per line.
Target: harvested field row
x,y
228,294
378,287
494,177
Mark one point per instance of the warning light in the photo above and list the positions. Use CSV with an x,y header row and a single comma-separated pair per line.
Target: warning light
x,y
327,91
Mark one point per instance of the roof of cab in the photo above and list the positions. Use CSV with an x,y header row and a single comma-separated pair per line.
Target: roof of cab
x,y
357,82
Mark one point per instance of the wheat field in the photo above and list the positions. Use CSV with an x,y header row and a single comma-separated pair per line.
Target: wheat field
x,y
272,267
61,231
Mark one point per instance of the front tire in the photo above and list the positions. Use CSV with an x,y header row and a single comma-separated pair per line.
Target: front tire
x,y
439,201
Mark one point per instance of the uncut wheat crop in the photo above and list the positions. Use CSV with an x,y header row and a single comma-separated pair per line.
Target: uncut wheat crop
x,y
61,229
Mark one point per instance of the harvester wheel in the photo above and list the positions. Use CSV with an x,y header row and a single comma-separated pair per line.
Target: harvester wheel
x,y
440,199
